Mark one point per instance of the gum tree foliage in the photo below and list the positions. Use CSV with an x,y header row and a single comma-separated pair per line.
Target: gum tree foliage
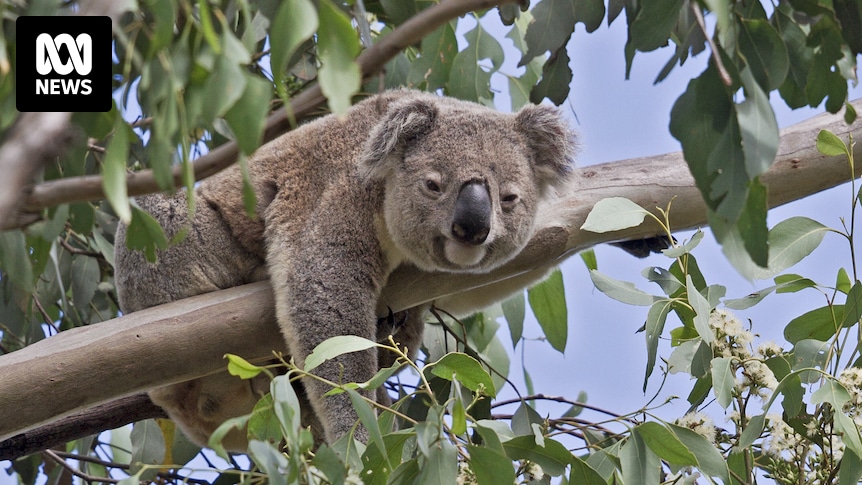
x,y
207,73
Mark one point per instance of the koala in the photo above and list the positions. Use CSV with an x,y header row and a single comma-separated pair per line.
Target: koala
x,y
403,178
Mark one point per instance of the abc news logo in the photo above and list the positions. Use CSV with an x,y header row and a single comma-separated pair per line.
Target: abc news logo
x,y
63,64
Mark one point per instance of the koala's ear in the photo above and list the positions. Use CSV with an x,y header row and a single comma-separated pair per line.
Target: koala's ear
x,y
550,140
403,122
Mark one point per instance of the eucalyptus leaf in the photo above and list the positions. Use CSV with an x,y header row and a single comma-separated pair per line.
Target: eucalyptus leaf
x,y
621,290
468,79
338,46
514,309
553,457
490,466
723,381
335,346
614,214
548,302
665,444
467,370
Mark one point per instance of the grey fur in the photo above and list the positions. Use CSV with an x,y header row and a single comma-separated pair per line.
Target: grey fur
x,y
341,203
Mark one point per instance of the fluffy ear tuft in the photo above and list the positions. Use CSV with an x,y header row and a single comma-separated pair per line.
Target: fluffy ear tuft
x,y
403,122
550,140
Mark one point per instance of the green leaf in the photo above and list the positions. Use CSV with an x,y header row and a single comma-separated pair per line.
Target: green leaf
x,y
148,447
665,444
556,79
335,346
751,224
639,464
621,290
524,419
656,318
554,22
685,248
830,145
584,474
490,466
440,466
842,281
853,306
850,470
514,309
431,70
264,425
85,280
810,354
758,127
376,465
215,441
145,234
294,22
270,460
751,432
207,29
15,260
223,88
553,457
702,310
668,282
723,381
327,461
114,171
784,284
237,366
286,406
709,458
368,418
819,324
831,392
248,115
764,52
588,256
548,302
848,430
614,214
468,79
467,370
653,24
338,46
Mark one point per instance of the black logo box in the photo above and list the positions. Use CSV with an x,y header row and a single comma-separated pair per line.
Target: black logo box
x,y
27,77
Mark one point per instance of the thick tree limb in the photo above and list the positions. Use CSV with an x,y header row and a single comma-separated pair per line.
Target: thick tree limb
x,y
186,339
371,61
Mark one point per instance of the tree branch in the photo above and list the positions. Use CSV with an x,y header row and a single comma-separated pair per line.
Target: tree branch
x,y
35,140
371,61
95,364
94,420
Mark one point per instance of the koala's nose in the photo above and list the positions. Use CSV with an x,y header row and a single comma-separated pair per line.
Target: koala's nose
x,y
472,219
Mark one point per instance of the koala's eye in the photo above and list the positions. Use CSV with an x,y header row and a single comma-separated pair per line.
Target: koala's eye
x,y
509,199
432,186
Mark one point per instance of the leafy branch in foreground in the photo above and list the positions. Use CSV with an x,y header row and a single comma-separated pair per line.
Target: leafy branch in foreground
x,y
816,438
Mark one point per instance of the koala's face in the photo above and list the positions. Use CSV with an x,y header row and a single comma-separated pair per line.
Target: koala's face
x,y
462,182
456,207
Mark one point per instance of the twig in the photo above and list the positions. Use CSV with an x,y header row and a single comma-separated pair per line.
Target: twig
x,y
716,57
69,468
91,459
542,397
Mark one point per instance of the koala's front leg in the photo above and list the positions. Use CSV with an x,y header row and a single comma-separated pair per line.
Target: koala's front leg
x,y
327,287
